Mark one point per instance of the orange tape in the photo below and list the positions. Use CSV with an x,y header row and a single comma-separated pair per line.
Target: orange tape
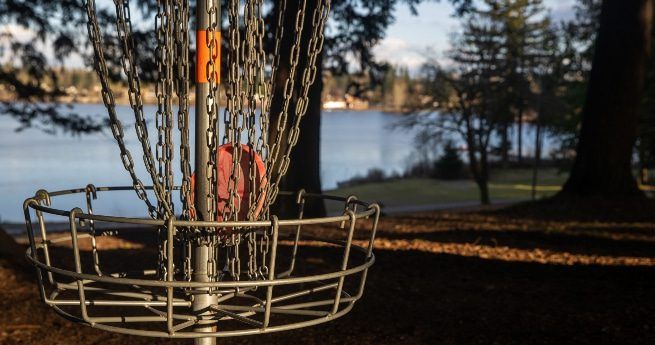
x,y
202,57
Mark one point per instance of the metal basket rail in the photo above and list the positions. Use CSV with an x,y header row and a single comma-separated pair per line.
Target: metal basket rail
x,y
146,304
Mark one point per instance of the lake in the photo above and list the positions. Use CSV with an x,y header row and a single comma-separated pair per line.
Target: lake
x,y
351,144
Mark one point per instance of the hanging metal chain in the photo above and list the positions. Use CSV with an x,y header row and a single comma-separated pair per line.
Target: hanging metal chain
x,y
234,111
181,27
164,93
268,82
248,96
124,31
315,46
212,42
263,148
257,94
95,38
211,69
251,73
289,87
181,53
252,255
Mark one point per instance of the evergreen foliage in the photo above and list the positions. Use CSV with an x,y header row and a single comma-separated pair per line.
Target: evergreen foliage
x,y
449,166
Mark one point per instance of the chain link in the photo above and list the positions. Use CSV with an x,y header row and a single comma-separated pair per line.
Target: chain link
x,y
164,94
286,100
182,91
319,18
251,80
95,37
212,32
234,110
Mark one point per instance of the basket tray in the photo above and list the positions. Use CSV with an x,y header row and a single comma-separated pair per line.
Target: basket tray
x,y
315,269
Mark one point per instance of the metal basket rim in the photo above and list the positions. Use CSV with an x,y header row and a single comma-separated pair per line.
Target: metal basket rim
x,y
43,195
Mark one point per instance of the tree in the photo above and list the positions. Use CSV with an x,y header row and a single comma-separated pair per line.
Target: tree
x,y
28,78
524,27
611,111
553,75
449,165
491,83
462,100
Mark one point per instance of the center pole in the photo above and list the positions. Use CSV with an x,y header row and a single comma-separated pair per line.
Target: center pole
x,y
202,252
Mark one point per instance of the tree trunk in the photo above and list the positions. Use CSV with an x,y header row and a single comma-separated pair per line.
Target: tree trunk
x,y
504,146
610,116
478,168
537,158
520,136
483,186
483,182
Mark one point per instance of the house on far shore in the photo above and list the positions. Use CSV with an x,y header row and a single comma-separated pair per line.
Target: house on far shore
x,y
347,102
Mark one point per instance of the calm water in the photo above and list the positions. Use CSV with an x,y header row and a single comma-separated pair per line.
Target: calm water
x,y
351,144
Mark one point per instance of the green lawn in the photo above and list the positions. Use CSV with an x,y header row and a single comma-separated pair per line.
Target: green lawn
x,y
504,185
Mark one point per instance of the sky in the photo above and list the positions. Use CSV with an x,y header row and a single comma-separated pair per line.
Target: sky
x,y
410,38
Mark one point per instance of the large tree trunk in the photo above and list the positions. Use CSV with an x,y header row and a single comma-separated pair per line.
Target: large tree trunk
x,y
609,123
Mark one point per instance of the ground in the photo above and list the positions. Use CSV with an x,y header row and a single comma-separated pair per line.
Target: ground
x,y
451,277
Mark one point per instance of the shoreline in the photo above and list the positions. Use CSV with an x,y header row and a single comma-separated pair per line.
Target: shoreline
x,y
124,101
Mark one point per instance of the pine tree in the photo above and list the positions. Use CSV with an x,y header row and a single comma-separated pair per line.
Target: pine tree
x,y
524,25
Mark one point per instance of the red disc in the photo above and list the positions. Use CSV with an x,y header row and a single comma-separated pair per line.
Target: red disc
x,y
224,164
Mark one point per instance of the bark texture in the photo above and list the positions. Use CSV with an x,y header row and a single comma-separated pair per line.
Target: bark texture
x,y
610,116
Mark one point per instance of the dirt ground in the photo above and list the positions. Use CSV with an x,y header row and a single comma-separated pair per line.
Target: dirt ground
x,y
478,277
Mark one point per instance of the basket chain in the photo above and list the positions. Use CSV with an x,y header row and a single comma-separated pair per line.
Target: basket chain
x,y
289,84
319,18
95,37
163,92
233,111
213,96
212,42
249,88
182,91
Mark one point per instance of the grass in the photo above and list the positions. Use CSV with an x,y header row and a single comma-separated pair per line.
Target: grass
x,y
512,184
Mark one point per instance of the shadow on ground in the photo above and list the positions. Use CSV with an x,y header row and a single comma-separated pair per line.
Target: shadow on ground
x,y
447,278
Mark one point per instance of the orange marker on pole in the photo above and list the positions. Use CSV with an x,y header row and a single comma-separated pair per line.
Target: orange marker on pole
x,y
202,56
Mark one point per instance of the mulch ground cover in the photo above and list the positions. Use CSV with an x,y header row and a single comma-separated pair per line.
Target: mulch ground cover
x,y
506,276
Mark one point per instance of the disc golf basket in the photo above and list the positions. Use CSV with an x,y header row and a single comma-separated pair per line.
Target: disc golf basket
x,y
222,264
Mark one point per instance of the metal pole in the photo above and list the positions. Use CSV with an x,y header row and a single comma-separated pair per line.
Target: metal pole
x,y
201,253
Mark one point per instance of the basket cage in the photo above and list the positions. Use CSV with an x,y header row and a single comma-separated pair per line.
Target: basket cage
x,y
279,286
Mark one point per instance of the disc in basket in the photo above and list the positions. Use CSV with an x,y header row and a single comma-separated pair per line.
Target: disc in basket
x,y
225,159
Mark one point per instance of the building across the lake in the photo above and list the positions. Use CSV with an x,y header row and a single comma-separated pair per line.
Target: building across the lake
x,y
347,102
